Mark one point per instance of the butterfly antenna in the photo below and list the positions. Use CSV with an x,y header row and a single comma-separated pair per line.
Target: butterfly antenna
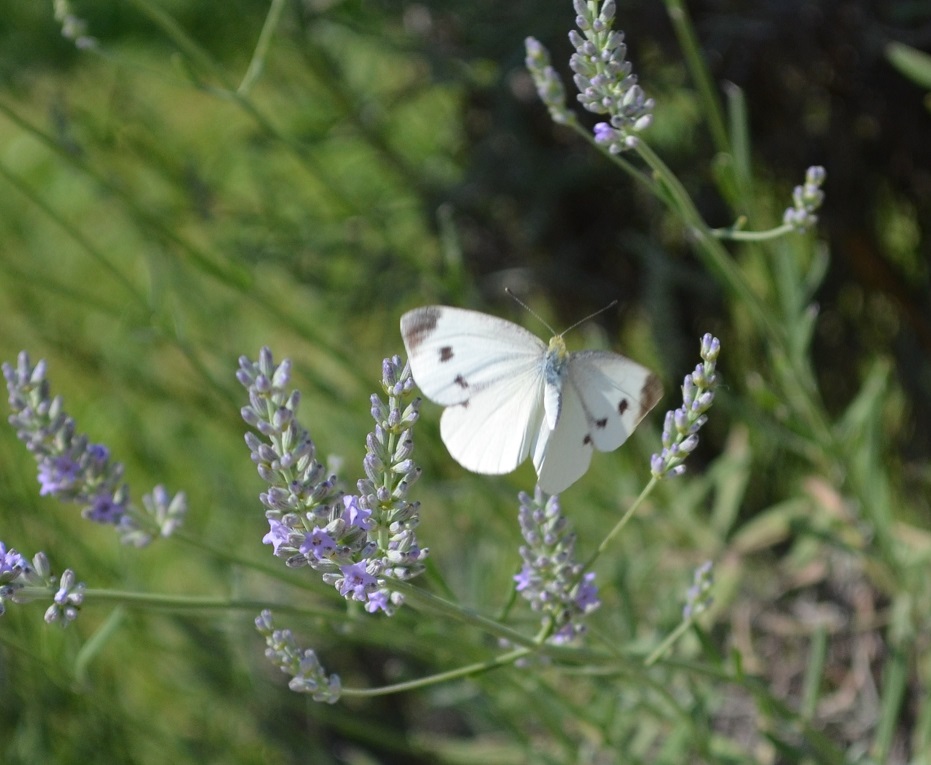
x,y
533,313
608,307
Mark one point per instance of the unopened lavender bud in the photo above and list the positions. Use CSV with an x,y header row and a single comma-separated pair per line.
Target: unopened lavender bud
x,y
682,425
378,409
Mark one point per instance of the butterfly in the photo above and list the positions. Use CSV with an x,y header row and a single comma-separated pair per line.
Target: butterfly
x,y
508,395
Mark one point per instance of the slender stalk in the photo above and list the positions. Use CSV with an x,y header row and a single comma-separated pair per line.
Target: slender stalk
x,y
695,60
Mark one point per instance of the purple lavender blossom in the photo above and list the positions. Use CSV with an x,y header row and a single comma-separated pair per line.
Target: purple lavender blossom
x,y
23,582
318,543
357,582
12,564
355,541
307,674
71,469
550,579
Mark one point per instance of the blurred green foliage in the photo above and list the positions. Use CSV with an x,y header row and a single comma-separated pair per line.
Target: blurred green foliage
x,y
163,213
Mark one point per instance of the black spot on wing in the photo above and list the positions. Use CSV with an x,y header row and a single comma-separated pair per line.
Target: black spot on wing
x,y
602,423
419,325
587,440
651,393
623,406
461,382
446,353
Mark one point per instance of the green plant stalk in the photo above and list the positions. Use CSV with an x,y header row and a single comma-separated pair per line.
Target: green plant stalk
x,y
257,63
695,61
228,90
664,647
814,671
469,670
895,680
619,526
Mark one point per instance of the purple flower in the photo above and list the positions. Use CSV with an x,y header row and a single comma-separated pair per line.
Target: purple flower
x,y
57,475
354,515
278,535
105,508
586,596
524,579
357,582
550,579
318,543
604,133
72,469
378,601
12,564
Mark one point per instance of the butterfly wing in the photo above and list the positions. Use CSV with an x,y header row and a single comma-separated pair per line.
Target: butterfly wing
x,y
488,372
604,397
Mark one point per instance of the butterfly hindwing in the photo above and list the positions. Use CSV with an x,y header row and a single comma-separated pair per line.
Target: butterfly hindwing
x,y
562,456
603,398
494,431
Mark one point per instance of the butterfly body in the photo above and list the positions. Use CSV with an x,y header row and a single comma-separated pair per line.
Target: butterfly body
x,y
508,395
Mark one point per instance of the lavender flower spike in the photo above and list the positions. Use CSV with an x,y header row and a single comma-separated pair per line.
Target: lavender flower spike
x,y
72,469
698,598
806,200
680,429
604,79
307,674
550,579
547,81
22,582
356,542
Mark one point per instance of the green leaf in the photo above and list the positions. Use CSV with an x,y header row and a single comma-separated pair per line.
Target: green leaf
x,y
912,63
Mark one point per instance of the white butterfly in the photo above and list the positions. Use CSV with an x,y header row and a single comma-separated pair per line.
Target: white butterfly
x,y
509,395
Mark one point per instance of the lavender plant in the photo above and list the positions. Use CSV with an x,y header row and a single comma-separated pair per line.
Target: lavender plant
x,y
23,582
361,539
550,580
681,426
356,542
74,470
364,544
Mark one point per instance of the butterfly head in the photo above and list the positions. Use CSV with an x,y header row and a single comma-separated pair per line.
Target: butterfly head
x,y
556,360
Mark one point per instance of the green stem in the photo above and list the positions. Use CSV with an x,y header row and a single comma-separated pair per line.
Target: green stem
x,y
619,526
736,235
663,647
470,670
695,60
257,64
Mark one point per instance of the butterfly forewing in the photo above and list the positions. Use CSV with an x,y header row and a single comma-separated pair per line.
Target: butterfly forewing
x,y
455,354
488,372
